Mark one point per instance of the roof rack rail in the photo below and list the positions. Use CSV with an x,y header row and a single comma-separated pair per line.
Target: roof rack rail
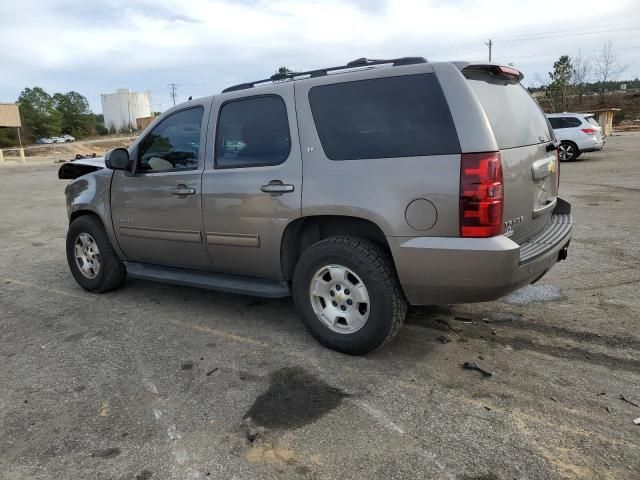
x,y
360,62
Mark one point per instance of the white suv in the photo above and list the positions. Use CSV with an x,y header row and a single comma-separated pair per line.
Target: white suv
x,y
577,133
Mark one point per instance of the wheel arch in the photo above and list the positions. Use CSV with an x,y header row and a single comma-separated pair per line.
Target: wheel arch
x,y
574,145
303,232
82,212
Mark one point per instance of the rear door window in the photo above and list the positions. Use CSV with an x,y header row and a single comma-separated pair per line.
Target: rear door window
x,y
404,116
252,132
572,122
515,117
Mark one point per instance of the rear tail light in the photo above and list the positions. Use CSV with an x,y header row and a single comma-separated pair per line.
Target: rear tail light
x,y
481,195
589,131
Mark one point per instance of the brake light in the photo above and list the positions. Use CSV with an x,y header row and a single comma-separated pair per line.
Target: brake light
x,y
508,71
481,195
589,131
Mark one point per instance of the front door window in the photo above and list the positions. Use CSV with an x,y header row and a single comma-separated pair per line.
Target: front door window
x,y
174,144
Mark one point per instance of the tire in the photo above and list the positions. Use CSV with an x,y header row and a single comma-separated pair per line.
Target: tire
x,y
103,269
569,151
376,312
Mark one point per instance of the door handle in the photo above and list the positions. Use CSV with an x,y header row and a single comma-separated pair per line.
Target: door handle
x,y
182,190
276,187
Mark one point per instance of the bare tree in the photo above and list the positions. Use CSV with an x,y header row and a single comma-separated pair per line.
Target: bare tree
x,y
547,99
582,69
607,66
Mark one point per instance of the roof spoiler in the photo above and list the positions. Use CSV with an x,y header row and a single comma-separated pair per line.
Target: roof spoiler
x,y
496,70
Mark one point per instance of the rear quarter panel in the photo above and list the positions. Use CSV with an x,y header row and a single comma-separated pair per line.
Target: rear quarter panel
x,y
380,189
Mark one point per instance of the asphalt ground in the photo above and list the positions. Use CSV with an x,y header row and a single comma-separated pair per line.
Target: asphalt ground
x,y
156,381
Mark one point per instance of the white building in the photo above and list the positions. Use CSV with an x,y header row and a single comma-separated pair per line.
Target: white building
x,y
121,109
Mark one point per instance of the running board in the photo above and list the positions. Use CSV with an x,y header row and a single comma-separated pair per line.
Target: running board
x,y
223,282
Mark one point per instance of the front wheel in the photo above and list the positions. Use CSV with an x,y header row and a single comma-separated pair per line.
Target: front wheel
x,y
348,294
568,151
91,258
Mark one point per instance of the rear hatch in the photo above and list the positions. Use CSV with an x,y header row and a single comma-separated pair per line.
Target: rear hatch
x,y
527,151
591,120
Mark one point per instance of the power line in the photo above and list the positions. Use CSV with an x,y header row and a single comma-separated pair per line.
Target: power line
x,y
568,30
559,53
540,37
548,34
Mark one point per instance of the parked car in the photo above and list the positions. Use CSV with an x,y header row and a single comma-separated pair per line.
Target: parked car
x,y
356,189
43,141
68,138
57,140
577,133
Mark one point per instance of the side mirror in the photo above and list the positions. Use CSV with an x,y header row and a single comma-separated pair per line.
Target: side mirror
x,y
118,159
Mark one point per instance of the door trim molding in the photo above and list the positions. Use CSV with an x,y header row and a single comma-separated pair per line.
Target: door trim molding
x,y
161,234
233,239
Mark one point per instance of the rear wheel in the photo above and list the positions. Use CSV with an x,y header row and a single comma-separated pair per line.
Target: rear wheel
x,y
348,294
568,151
91,258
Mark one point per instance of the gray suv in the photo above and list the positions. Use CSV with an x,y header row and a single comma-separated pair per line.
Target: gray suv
x,y
356,189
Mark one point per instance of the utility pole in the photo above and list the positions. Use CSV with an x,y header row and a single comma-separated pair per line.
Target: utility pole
x,y
173,92
489,44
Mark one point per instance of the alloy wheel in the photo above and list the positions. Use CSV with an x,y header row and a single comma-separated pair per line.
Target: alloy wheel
x,y
339,299
87,255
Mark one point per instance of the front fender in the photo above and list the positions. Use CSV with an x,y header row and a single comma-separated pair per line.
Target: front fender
x,y
91,194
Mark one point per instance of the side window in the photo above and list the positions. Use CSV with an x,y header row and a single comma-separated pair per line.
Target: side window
x,y
573,122
174,144
592,121
404,116
252,132
556,123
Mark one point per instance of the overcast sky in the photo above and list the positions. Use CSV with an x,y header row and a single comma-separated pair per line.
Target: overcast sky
x,y
97,46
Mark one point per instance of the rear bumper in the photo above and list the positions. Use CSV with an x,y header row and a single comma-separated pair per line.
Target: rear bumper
x,y
590,144
593,149
438,270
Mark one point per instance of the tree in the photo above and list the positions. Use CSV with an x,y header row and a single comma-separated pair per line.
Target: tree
x,y
580,74
607,66
283,71
39,116
561,78
77,117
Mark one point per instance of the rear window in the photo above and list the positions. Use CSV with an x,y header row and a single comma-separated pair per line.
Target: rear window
x,y
405,116
592,121
515,117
